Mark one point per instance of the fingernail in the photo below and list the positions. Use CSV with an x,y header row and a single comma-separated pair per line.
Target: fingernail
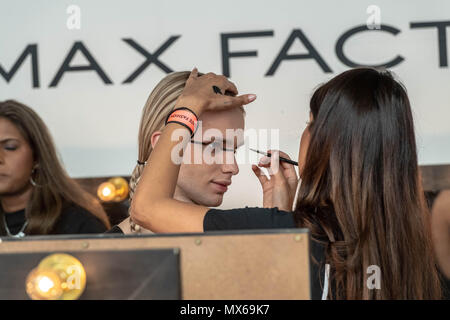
x,y
264,159
251,97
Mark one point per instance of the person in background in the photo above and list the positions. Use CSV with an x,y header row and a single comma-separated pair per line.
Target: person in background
x,y
37,196
360,192
198,183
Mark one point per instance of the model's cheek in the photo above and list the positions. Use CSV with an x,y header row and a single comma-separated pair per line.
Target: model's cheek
x,y
194,154
187,155
194,179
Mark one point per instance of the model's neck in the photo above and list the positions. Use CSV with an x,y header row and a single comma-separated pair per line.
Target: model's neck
x,y
16,202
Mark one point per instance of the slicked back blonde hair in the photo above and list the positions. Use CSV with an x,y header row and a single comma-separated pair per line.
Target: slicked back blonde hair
x,y
158,106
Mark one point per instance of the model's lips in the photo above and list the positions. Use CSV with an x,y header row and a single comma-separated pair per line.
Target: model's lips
x,y
221,186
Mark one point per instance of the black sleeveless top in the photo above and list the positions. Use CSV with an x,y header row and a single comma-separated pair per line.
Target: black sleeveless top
x,y
73,220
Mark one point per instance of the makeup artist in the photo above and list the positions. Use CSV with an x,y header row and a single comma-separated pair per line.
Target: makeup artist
x,y
360,192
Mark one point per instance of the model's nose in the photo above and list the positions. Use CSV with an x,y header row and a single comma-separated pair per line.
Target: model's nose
x,y
232,168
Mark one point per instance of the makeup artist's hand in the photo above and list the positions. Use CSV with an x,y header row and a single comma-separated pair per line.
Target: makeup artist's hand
x,y
279,189
199,95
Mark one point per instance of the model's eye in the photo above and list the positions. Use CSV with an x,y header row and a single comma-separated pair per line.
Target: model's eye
x,y
213,146
10,147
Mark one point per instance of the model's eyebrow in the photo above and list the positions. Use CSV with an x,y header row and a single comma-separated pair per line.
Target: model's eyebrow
x,y
216,139
223,141
9,139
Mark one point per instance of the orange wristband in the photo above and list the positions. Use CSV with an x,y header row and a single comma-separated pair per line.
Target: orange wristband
x,y
185,117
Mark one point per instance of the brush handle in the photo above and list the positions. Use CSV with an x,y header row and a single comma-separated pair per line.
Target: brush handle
x,y
281,158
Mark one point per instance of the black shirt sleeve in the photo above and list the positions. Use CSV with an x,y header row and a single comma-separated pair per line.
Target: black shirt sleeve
x,y
77,220
247,218
115,229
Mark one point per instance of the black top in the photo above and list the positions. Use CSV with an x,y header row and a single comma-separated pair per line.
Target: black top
x,y
115,229
73,220
243,219
247,218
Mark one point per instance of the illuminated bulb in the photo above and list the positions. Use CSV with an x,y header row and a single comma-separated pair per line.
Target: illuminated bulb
x,y
115,189
43,285
121,188
57,277
106,191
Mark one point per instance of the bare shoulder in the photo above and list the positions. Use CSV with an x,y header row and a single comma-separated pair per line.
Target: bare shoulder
x,y
440,224
441,207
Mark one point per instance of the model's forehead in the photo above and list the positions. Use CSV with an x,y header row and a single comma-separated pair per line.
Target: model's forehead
x,y
223,120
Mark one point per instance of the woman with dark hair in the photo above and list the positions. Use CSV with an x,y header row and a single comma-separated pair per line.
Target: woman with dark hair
x,y
360,192
37,196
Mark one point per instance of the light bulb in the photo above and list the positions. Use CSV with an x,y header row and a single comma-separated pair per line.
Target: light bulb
x,y
121,188
57,277
115,189
43,285
106,191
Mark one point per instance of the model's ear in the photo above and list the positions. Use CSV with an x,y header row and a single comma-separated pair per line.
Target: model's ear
x,y
155,137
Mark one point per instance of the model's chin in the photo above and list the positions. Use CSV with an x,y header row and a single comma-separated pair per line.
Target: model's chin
x,y
215,200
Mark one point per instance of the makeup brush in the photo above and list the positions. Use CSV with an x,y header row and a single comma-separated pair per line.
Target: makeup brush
x,y
281,158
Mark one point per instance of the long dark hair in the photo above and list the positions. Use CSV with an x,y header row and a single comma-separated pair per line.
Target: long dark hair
x,y
55,188
361,188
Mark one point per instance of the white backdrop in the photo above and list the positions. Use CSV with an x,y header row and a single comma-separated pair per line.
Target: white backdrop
x,y
95,124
